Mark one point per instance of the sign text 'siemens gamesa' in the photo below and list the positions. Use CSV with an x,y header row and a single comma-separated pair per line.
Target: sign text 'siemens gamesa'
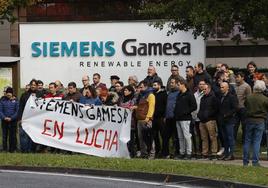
x,y
73,49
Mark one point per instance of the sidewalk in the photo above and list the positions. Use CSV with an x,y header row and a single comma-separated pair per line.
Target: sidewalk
x,y
238,162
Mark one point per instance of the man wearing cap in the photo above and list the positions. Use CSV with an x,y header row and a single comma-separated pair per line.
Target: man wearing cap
x,y
114,79
8,113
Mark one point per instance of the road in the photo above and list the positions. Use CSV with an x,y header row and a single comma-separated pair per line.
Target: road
x,y
27,179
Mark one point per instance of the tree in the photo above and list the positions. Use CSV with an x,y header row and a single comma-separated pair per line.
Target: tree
x,y
204,16
7,8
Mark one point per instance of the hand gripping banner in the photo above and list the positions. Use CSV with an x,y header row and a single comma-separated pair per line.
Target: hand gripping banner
x,y
95,130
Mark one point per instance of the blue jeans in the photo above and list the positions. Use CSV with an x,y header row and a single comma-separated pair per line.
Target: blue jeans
x,y
228,135
253,135
25,141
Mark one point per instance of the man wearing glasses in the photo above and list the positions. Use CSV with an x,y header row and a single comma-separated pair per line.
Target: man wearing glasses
x,y
174,75
85,82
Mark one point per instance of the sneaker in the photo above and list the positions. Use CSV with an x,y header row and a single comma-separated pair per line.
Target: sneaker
x,y
221,151
138,154
256,164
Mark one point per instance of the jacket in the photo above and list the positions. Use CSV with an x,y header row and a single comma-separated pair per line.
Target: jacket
x,y
209,106
228,107
257,107
202,76
171,102
90,101
9,108
152,79
160,103
74,96
146,105
185,105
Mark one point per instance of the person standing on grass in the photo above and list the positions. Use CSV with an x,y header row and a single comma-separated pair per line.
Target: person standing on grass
x,y
208,114
243,90
26,144
194,127
144,115
159,114
8,113
257,109
228,107
185,105
170,129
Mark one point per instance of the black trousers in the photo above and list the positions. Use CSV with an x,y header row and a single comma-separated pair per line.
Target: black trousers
x,y
9,132
170,130
158,126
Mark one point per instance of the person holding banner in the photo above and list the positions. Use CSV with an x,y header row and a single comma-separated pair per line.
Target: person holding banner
x,y
144,114
90,97
128,102
8,113
53,92
26,144
73,94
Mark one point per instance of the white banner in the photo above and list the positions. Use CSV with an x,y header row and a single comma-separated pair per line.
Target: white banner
x,y
96,130
67,51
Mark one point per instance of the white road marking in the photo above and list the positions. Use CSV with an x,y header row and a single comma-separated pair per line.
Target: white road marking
x,y
94,177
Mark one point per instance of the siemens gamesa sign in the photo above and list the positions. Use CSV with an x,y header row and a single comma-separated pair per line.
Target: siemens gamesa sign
x,y
66,51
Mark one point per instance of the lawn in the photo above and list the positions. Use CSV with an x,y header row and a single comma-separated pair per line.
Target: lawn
x,y
234,173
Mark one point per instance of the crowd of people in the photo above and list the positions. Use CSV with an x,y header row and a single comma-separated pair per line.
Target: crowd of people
x,y
201,113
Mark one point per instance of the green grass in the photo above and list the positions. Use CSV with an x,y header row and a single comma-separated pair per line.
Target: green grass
x,y
234,173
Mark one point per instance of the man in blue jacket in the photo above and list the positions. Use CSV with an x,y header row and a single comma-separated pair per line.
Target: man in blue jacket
x,y
8,113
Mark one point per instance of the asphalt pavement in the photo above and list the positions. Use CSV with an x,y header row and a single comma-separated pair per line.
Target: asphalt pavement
x,y
28,179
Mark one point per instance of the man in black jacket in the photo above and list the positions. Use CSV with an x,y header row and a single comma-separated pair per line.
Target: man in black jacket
x,y
152,76
185,105
159,114
201,74
228,108
207,115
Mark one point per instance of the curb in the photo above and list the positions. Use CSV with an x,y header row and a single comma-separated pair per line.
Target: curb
x,y
164,178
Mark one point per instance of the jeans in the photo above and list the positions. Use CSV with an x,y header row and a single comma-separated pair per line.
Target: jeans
x,y
26,144
253,135
229,141
240,118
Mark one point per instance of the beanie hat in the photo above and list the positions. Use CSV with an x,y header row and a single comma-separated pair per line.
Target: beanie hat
x,y
9,90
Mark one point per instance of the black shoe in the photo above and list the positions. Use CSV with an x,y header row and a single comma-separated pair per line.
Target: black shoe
x,y
223,157
187,157
213,158
204,157
229,158
179,157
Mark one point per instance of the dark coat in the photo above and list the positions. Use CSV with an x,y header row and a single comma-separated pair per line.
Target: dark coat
x,y
9,108
204,76
160,104
152,79
228,108
209,106
185,105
